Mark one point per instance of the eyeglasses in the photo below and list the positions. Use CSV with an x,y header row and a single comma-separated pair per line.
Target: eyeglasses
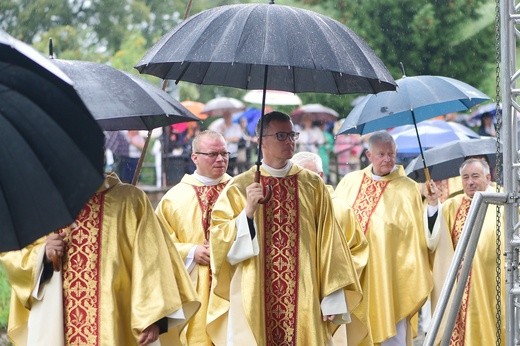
x,y
282,136
214,155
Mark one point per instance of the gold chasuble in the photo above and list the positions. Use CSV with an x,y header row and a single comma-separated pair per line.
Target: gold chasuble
x,y
476,320
121,273
303,258
396,281
358,245
185,211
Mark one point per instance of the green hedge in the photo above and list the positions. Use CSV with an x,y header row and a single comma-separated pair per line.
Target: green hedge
x,y
5,293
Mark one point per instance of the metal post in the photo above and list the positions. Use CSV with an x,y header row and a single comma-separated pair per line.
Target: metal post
x,y
465,249
509,147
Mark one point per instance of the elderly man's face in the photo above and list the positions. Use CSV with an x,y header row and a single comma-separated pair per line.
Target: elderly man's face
x,y
382,156
474,179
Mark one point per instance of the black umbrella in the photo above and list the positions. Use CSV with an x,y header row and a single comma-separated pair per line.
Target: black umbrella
x,y
267,46
444,161
51,148
121,101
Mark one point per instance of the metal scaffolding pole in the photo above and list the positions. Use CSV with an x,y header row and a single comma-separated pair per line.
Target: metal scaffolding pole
x,y
509,74
508,133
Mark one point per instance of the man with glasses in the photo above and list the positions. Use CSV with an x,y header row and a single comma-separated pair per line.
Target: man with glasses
x,y
185,211
388,206
282,272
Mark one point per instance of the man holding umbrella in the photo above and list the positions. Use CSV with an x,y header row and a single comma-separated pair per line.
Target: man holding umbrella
x,y
388,206
475,323
282,272
185,211
120,280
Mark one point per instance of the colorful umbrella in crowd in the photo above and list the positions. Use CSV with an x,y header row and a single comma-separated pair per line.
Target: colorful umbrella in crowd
x,y
220,105
51,148
272,98
317,112
267,47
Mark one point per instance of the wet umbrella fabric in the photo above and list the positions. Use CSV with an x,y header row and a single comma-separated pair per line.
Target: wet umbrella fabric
x,y
444,161
51,147
121,101
417,98
231,46
432,132
267,47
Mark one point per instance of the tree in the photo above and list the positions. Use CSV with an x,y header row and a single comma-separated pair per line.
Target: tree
x,y
453,38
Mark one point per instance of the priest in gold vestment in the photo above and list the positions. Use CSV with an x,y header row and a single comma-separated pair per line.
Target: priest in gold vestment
x,y
282,272
357,330
397,280
185,211
122,282
476,319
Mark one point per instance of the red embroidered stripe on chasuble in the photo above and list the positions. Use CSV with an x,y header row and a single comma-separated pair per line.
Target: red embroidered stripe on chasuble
x,y
281,255
368,196
81,275
459,330
207,196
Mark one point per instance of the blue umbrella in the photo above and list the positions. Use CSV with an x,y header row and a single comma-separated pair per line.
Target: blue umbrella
x,y
416,99
432,133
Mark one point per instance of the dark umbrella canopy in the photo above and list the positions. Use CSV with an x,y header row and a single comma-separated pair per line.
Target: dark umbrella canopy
x,y
51,148
121,101
231,45
444,161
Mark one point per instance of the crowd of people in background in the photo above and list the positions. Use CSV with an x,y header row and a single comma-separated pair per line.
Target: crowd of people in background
x,y
340,154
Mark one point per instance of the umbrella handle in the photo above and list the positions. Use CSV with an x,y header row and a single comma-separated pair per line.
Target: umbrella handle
x,y
427,179
269,191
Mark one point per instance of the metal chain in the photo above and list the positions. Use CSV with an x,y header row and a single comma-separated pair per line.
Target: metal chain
x,y
498,175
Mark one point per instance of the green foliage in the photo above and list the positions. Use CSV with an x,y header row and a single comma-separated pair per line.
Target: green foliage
x,y
452,38
5,294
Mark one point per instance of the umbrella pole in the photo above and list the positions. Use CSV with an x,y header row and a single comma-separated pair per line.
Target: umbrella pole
x,y
269,191
426,170
141,158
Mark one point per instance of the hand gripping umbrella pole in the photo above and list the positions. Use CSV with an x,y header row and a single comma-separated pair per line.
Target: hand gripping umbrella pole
x,y
258,163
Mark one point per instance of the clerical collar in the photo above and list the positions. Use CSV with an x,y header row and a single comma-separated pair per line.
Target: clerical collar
x,y
205,180
379,177
278,172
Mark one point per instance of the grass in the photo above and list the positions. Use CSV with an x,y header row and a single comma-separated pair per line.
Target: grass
x,y
5,294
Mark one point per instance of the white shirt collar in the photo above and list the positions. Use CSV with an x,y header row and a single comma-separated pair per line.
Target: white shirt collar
x,y
205,180
379,177
278,172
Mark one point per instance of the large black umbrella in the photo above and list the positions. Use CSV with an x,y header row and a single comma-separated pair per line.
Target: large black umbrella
x,y
51,148
444,161
121,101
267,46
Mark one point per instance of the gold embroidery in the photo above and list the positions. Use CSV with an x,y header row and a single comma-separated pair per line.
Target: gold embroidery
x,y
366,201
459,331
207,196
81,276
281,254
